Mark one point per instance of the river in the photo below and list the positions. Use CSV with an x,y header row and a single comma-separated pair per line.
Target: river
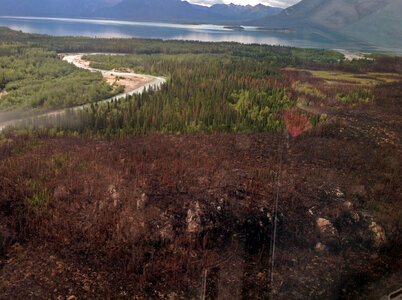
x,y
154,83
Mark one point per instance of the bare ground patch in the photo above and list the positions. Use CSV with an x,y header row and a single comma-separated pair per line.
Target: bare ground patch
x,y
130,82
3,93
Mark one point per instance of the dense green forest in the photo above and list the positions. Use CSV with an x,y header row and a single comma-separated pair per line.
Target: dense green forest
x,y
278,55
36,78
209,93
212,87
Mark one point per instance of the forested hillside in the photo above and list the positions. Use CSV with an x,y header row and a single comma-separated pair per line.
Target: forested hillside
x,y
35,78
280,55
208,93
234,88
255,172
211,87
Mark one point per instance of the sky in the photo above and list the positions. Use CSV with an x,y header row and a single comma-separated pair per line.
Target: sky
x,y
276,3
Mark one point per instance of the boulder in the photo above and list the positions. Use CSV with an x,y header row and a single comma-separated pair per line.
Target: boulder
x,y
193,219
377,235
347,205
142,202
326,227
320,247
328,234
339,193
355,217
113,192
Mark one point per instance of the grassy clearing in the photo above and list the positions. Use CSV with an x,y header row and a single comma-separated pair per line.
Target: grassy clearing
x,y
307,89
342,87
367,79
37,204
354,97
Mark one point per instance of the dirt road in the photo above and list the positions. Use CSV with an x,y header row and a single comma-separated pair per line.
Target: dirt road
x,y
134,84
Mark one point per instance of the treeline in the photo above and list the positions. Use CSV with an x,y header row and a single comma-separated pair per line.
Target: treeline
x,y
215,93
212,87
35,78
278,55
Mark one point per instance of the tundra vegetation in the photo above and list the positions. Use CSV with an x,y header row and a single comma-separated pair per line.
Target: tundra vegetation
x,y
171,194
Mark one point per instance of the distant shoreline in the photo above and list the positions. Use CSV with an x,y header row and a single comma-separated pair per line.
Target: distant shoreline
x,y
281,30
237,28
102,28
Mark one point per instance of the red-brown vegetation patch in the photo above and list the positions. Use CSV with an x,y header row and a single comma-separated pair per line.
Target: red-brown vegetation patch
x,y
321,86
146,216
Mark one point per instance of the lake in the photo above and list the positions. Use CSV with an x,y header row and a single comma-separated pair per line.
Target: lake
x,y
167,31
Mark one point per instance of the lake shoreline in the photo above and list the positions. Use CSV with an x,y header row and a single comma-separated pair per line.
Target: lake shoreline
x,y
108,28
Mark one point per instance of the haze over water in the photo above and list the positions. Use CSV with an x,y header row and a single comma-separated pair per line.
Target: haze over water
x,y
210,33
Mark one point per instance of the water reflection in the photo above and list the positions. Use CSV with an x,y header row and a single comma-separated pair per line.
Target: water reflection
x,y
240,38
210,33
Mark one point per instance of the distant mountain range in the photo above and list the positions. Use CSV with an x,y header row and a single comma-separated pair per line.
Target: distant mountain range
x,y
372,21
138,10
49,8
377,22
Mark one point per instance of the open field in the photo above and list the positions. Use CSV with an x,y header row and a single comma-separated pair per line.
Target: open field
x,y
368,79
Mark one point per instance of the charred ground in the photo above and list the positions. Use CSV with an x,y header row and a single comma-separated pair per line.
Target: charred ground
x,y
144,216
108,207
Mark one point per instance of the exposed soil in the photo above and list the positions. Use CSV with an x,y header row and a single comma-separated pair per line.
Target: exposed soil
x,y
130,82
115,78
353,56
3,93
151,217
